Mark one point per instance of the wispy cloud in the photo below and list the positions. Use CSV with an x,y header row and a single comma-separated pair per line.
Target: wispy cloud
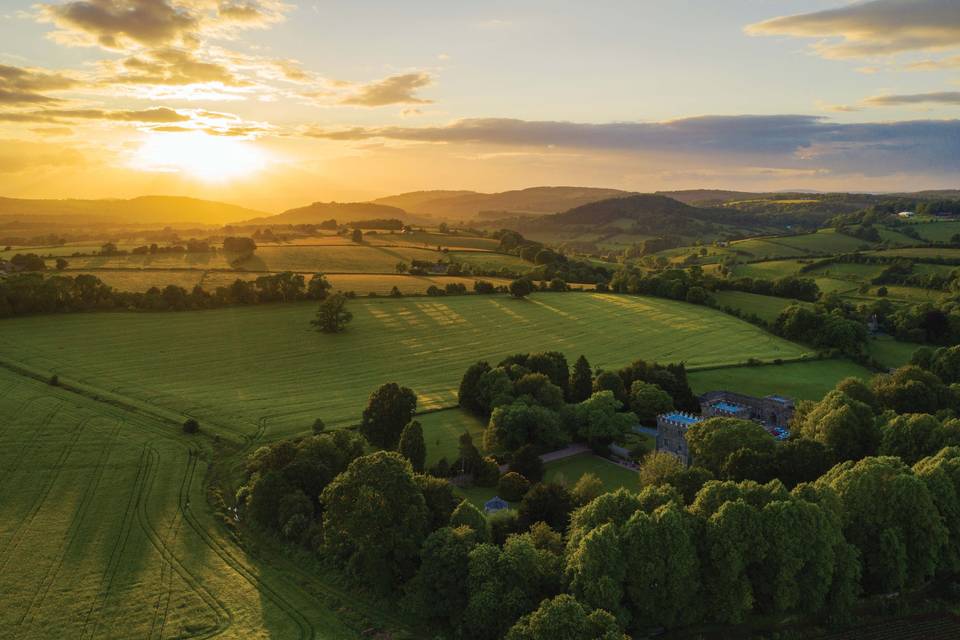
x,y
936,97
874,28
398,89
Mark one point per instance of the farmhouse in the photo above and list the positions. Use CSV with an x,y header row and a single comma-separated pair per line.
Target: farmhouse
x,y
906,214
773,412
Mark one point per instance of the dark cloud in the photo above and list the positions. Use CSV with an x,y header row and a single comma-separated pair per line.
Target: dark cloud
x,y
780,141
938,97
878,27
28,86
400,89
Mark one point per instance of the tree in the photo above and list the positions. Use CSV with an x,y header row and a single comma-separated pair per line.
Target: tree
x,y
319,287
527,463
521,288
318,426
598,420
581,381
62,264
375,519
467,515
546,502
468,395
911,437
648,401
563,618
190,425
488,473
438,593
388,411
660,469
890,516
712,441
587,488
610,381
439,497
596,570
538,388
357,236
846,426
514,425
332,315
512,486
412,446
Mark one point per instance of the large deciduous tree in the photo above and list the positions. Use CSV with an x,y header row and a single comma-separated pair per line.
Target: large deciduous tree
x,y
332,315
389,410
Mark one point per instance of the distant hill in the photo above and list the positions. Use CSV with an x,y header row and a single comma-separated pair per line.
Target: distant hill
x,y
464,205
708,196
145,209
640,208
340,211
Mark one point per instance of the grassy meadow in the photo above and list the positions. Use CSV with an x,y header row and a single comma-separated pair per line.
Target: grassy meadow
x,y
104,533
263,370
765,307
800,380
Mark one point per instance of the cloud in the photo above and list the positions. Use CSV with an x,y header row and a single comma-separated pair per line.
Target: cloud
x,y
119,25
20,86
399,89
169,67
154,115
874,28
786,142
952,62
938,97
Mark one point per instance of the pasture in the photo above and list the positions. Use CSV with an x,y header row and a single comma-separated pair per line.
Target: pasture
x,y
767,308
770,270
800,380
612,475
939,231
442,431
264,371
105,533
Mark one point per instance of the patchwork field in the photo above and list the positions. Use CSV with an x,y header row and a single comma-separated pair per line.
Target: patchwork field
x,y
257,370
351,258
800,380
104,533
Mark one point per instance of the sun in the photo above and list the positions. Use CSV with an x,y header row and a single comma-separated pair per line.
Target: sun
x,y
199,155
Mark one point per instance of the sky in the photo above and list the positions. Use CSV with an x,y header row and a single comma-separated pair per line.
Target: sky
x,y
278,103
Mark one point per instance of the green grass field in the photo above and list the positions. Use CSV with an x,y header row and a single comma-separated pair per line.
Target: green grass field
x,y
248,370
490,260
105,533
800,380
442,431
769,270
890,352
572,469
937,231
922,252
766,307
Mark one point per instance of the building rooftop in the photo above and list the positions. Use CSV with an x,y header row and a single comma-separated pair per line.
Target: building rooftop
x,y
729,407
682,418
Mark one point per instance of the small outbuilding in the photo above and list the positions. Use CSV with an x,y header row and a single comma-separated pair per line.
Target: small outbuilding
x,y
494,504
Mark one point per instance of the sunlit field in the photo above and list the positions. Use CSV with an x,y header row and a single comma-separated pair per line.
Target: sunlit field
x,y
105,533
244,371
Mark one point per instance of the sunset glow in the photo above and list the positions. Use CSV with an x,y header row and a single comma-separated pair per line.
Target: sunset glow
x,y
199,155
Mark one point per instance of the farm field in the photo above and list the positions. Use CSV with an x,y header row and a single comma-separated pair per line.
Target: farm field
x,y
490,260
366,258
105,533
922,252
765,307
800,380
256,370
770,270
937,231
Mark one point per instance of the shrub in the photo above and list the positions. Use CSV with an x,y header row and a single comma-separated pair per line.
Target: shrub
x,y
190,425
488,473
513,486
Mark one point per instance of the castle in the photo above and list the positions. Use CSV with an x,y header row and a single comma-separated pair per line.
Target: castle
x,y
773,412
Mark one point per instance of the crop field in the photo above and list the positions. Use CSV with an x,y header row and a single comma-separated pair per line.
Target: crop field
x,y
139,280
847,271
490,260
826,241
922,252
765,307
769,270
105,533
800,380
255,370
613,476
366,258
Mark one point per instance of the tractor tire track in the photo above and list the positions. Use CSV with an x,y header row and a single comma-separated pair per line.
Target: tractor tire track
x,y
305,627
73,531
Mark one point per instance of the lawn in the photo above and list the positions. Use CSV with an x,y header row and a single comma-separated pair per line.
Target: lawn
x,y
766,307
264,370
105,533
799,380
442,431
890,352
572,469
